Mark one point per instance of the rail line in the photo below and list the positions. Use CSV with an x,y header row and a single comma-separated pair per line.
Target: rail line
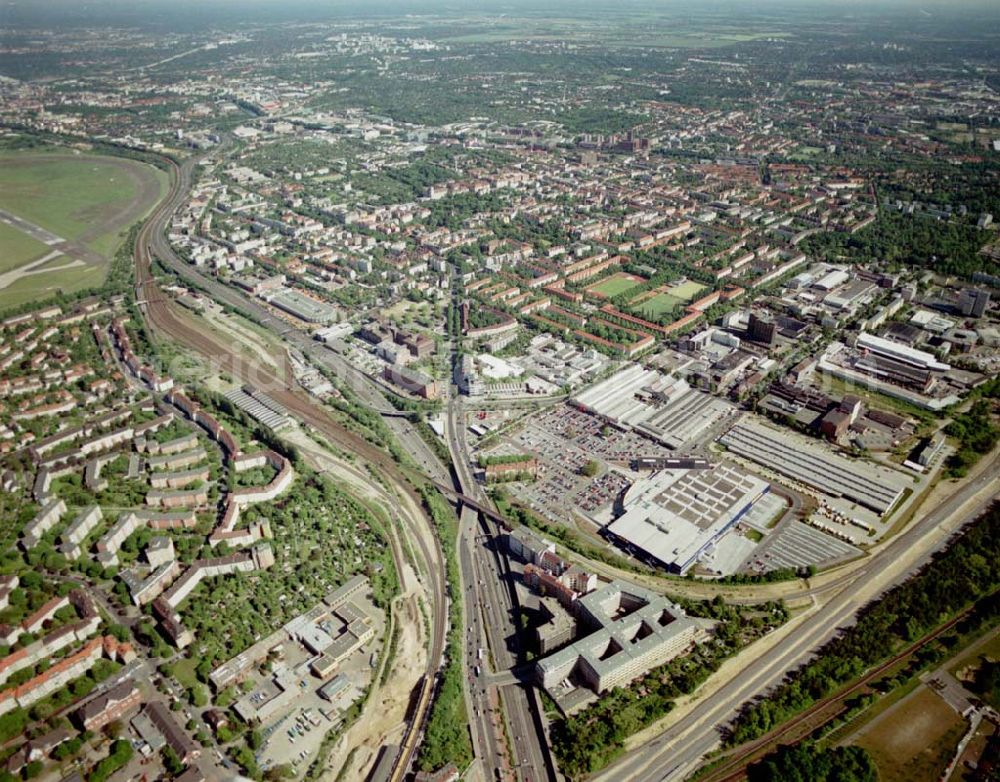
x,y
158,312
735,769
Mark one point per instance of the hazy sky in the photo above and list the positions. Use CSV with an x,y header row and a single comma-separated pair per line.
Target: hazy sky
x,y
20,13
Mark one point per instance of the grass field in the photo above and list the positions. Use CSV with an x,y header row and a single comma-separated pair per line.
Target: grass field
x,y
686,291
36,287
87,200
653,304
64,195
17,248
914,740
659,304
184,672
616,284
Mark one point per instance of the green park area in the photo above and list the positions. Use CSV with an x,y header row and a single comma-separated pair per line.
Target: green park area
x,y
88,201
664,300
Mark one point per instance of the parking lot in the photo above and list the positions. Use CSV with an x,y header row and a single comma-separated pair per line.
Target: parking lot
x,y
310,706
601,492
596,438
797,545
564,440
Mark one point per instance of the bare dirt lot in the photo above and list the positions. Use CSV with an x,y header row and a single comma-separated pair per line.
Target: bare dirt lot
x,y
914,740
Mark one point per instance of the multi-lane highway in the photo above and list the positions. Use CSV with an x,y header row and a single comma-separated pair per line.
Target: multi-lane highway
x,y
488,742
522,711
491,590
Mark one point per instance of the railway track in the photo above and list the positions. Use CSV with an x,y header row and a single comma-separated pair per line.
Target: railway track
x,y
735,769
158,312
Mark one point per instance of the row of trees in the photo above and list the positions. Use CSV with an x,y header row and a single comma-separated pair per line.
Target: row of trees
x,y
486,459
808,763
446,738
967,571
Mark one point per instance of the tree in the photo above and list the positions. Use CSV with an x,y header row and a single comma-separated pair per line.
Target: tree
x,y
198,696
12,724
204,668
171,762
121,754
805,762
590,468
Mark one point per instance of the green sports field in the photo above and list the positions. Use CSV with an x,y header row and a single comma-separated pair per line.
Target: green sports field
x,y
686,291
88,201
666,299
616,284
658,305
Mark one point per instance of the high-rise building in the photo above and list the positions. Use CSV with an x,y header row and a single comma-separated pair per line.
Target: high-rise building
x,y
972,302
761,329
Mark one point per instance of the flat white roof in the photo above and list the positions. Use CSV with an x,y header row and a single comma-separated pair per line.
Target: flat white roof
x,y
805,460
674,515
672,412
920,358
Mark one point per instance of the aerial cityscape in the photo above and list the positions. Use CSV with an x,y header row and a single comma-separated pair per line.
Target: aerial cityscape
x,y
502,391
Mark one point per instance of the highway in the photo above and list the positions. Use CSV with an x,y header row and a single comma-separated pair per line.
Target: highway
x,y
366,390
482,708
520,701
680,749
488,742
490,587
158,312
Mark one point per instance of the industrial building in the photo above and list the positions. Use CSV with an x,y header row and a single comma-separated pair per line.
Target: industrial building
x,y
973,302
761,329
675,516
664,408
411,380
301,306
632,631
801,459
527,546
260,407
920,359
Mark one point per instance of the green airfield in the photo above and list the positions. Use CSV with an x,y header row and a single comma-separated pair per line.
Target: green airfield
x,y
651,29
17,248
87,200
